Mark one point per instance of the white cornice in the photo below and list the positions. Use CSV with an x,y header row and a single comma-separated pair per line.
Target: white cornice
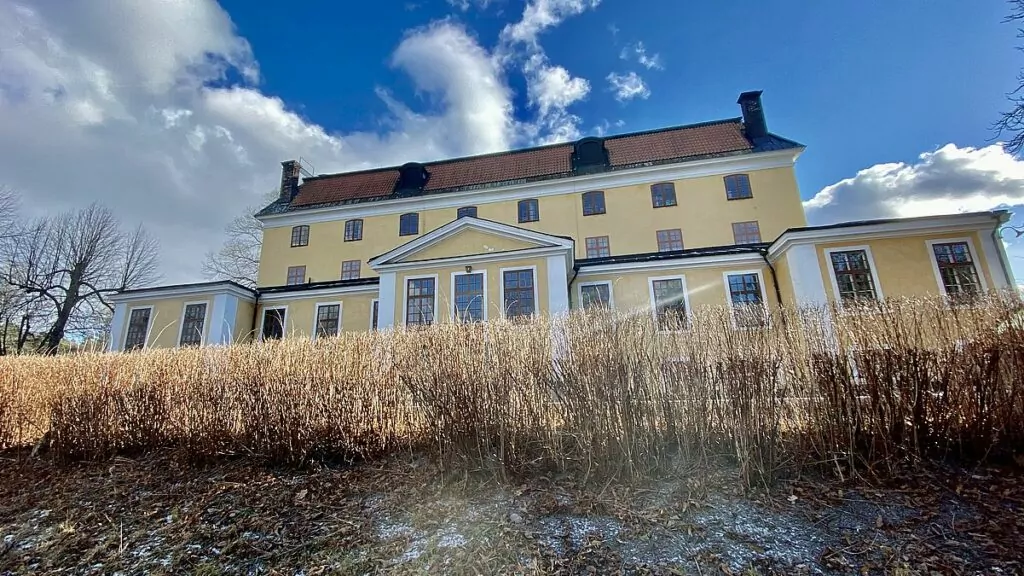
x,y
197,290
318,293
452,228
478,259
869,231
600,181
676,263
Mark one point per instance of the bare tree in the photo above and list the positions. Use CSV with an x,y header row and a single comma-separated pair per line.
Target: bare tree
x,y
239,258
72,262
1012,121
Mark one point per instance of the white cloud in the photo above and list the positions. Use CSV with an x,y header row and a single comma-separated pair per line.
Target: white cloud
x,y
638,52
605,127
628,86
949,180
465,5
539,15
113,101
550,89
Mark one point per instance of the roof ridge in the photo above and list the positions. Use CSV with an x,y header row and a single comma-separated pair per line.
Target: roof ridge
x,y
528,149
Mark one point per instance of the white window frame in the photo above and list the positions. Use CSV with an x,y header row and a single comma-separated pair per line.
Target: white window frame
x,y
732,307
976,262
611,294
654,303
372,302
871,263
181,321
149,327
484,303
405,298
536,288
316,315
263,319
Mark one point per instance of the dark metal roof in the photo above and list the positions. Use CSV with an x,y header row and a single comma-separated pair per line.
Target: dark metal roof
x,y
674,254
316,285
855,223
212,284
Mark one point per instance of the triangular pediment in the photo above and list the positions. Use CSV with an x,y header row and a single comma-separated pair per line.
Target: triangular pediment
x,y
470,237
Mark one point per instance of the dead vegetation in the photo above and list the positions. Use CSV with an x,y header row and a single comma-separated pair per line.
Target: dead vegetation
x,y
871,392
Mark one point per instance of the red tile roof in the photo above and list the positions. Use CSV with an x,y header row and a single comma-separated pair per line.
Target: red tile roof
x,y
545,162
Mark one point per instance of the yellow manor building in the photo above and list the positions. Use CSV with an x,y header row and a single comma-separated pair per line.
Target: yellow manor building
x,y
662,222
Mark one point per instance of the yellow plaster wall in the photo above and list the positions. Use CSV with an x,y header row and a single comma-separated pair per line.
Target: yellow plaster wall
x,y
705,286
242,331
785,282
355,312
469,242
904,264
165,320
444,310
703,214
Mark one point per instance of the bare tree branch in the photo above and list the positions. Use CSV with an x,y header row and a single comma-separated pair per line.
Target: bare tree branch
x,y
238,259
1011,123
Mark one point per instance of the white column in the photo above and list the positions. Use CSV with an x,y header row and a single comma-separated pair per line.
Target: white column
x,y
117,327
805,272
386,300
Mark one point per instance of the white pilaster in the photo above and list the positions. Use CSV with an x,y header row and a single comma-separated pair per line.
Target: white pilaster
x,y
217,327
558,288
387,300
805,273
995,258
117,327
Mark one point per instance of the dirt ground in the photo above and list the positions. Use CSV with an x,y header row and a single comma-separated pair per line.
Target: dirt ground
x,y
406,516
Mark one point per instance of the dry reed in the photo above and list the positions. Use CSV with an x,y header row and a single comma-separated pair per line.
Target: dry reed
x,y
602,393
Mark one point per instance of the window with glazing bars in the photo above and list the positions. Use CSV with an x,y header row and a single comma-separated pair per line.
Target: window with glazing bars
x,y
469,297
353,230
747,300
737,187
273,324
419,301
529,210
296,275
670,303
669,240
328,320
192,325
518,291
138,327
595,296
373,314
853,275
350,269
598,247
956,268
409,224
746,232
466,211
663,194
300,236
593,203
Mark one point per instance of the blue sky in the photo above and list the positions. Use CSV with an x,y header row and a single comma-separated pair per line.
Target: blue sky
x,y
858,82
177,114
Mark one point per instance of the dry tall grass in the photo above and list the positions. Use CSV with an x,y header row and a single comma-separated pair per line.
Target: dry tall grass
x,y
595,394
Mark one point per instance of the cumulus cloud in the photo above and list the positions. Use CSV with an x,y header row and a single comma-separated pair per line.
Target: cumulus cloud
x,y
628,86
638,52
121,102
550,89
465,5
948,180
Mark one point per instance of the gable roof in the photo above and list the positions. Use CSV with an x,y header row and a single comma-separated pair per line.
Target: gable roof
x,y
541,239
662,146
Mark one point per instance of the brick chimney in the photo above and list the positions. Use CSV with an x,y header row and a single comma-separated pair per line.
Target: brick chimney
x,y
289,180
753,115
